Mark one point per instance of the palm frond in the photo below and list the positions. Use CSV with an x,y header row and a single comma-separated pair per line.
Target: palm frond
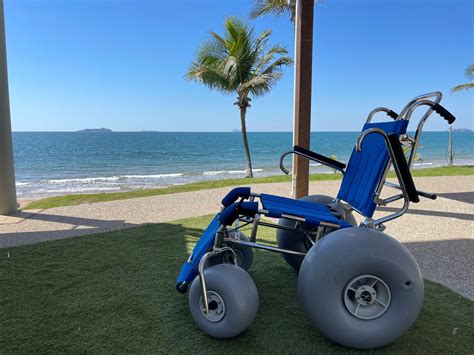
x,y
468,86
463,87
260,85
470,72
210,77
238,61
275,7
269,55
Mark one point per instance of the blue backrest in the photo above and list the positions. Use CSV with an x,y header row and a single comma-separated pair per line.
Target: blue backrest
x,y
366,168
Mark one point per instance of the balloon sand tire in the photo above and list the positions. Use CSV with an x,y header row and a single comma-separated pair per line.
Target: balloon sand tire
x,y
232,298
360,288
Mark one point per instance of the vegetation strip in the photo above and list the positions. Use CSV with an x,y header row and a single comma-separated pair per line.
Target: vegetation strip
x,y
70,200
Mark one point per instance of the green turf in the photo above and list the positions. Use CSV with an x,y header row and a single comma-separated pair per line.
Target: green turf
x,y
69,200
114,293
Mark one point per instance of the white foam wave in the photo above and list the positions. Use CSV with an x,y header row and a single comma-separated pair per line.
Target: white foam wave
x,y
212,173
156,176
226,172
76,189
82,180
238,171
422,164
21,183
110,178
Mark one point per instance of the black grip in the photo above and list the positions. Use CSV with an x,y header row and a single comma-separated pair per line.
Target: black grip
x,y
440,110
427,195
321,158
392,114
403,167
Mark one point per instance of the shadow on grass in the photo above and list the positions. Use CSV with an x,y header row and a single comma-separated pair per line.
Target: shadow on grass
x,y
73,226
114,292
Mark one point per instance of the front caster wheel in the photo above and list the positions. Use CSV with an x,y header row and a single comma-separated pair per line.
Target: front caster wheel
x,y
360,288
243,254
232,299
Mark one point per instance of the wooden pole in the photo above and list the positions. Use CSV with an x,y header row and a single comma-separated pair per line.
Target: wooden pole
x,y
302,98
8,203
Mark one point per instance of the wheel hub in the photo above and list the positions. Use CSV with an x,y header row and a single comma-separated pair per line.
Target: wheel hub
x,y
216,307
367,296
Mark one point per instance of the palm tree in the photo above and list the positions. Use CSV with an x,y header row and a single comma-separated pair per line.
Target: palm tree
x,y
467,86
277,7
242,63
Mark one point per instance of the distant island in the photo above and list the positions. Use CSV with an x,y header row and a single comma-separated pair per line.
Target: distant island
x,y
236,131
462,130
96,130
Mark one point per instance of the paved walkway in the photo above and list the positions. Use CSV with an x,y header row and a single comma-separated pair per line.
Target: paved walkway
x,y
439,233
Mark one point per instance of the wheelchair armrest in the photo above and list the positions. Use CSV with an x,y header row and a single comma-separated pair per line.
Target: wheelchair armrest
x,y
235,194
308,154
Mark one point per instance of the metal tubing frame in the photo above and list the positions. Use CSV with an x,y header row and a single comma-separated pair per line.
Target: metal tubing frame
x,y
406,115
422,122
420,192
376,110
264,247
202,265
221,237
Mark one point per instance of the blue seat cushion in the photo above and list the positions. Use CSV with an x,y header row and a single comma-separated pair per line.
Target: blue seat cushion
x,y
313,213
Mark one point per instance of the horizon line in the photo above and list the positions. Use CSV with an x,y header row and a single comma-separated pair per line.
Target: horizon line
x,y
156,131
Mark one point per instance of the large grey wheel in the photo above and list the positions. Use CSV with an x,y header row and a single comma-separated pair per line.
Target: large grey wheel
x,y
299,242
232,299
243,254
360,288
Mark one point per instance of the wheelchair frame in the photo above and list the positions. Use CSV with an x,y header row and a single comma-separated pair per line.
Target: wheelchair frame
x,y
224,237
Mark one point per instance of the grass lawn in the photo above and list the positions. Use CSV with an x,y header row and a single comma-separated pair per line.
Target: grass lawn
x,y
69,200
114,293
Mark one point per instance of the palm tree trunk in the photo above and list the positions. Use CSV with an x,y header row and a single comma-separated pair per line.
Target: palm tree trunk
x,y
243,113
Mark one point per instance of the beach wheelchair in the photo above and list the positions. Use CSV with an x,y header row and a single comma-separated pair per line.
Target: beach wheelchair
x,y
359,287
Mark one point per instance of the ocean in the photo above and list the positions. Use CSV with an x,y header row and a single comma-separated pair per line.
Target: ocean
x,y
57,163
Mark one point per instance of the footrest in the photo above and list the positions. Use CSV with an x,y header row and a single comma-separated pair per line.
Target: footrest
x,y
189,270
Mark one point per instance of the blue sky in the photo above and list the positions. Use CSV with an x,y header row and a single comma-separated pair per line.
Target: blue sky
x,y
120,64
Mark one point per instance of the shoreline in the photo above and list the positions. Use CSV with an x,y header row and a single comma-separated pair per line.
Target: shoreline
x,y
128,183
74,199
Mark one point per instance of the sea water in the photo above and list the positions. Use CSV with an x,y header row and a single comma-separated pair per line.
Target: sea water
x,y
54,163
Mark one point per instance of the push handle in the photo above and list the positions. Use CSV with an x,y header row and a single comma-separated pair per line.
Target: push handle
x,y
392,114
440,110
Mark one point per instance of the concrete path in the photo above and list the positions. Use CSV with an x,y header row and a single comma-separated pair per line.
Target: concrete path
x,y
439,233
